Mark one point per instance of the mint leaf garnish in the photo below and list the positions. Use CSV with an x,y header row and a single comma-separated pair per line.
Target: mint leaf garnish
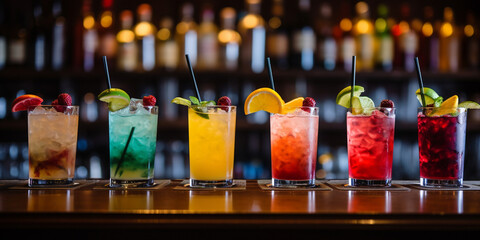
x,y
194,100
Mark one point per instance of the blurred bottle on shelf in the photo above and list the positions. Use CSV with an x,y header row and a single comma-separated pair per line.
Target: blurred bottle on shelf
x,y
327,46
303,39
277,37
208,49
89,108
229,40
167,48
408,39
145,33
471,43
252,30
186,36
17,42
39,38
106,31
449,42
429,41
58,36
346,40
3,37
363,31
383,41
90,37
127,55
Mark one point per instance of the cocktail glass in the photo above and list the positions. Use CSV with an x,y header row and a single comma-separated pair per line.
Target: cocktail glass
x,y
132,164
370,147
211,145
52,144
441,145
293,139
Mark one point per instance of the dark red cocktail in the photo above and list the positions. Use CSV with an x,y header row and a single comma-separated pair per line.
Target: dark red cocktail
x,y
441,143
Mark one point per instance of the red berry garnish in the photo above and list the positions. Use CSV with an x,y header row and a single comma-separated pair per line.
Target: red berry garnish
x,y
57,106
64,99
54,102
149,100
308,102
387,103
224,101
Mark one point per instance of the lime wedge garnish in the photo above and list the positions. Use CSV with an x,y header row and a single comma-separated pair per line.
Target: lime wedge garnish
x,y
362,105
448,106
343,97
115,97
431,97
469,105
182,101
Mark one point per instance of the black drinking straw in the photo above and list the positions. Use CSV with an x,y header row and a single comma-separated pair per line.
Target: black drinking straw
x,y
270,74
124,151
193,77
420,81
352,90
105,65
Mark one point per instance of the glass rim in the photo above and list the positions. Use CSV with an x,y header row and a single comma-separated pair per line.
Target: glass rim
x,y
50,106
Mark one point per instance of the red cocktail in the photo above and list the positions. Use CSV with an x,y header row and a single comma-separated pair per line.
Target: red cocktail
x,y
294,147
370,147
441,143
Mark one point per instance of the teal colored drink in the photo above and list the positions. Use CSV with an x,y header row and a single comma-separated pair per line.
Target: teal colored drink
x,y
131,164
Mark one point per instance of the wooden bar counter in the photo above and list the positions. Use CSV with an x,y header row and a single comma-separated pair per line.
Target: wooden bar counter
x,y
90,212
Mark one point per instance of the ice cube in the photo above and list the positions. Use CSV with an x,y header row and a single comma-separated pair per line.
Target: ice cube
x,y
135,104
39,110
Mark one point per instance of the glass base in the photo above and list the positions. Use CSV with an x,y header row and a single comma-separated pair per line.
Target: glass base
x,y
425,182
55,182
118,183
210,184
369,183
292,183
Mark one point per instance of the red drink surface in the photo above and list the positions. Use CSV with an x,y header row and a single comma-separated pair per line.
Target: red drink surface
x,y
370,146
294,146
441,144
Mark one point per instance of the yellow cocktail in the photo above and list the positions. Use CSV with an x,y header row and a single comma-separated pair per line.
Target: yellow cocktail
x,y
211,145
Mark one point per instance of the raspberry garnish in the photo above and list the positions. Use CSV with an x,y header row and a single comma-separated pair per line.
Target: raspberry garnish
x,y
224,101
64,99
387,103
149,100
308,102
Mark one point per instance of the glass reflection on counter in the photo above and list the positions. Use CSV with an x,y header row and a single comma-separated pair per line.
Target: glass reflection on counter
x,y
203,201
359,201
447,201
50,200
297,202
129,200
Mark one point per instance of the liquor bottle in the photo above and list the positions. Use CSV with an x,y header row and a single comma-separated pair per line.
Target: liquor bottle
x,y
90,37
327,46
167,48
127,54
363,31
384,41
303,39
145,33
186,36
277,37
449,43
408,40
39,38
428,41
229,40
347,41
208,49
106,31
252,30
471,43
58,36
3,37
17,42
